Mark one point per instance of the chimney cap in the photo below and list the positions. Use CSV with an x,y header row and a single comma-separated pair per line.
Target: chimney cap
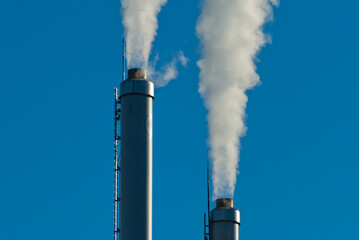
x,y
224,203
137,73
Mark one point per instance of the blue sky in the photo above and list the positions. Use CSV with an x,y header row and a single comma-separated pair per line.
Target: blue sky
x,y
59,63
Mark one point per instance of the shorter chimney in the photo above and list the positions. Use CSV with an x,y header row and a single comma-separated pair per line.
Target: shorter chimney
x,y
224,221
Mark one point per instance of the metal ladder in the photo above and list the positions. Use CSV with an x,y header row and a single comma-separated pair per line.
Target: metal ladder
x,y
116,203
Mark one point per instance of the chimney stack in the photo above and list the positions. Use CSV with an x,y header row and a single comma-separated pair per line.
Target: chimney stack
x,y
136,97
224,221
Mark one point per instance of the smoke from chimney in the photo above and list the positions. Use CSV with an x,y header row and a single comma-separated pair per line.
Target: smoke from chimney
x,y
140,23
231,33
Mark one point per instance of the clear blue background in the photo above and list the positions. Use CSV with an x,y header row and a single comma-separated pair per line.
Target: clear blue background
x,y
59,63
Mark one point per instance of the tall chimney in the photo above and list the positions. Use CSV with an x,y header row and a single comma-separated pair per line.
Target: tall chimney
x,y
136,96
224,221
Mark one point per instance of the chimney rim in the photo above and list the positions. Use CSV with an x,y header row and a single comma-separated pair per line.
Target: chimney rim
x,y
224,203
136,74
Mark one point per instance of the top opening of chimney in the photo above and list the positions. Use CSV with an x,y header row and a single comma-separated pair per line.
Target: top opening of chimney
x,y
137,73
224,203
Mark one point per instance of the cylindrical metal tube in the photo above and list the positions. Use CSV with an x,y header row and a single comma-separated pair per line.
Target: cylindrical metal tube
x,y
225,221
136,96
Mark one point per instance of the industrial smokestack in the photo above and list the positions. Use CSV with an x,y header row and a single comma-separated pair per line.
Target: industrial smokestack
x,y
224,221
136,96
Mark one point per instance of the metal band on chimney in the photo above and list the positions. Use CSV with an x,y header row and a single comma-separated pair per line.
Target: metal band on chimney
x,y
226,215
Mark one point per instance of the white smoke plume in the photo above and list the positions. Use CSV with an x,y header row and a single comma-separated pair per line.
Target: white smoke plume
x,y
139,18
231,33
168,72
